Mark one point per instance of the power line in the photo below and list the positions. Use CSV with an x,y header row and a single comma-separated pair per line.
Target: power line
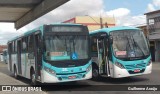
x,y
93,19
138,24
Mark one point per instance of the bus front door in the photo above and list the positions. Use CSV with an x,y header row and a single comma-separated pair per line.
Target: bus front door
x,y
38,51
10,58
19,49
102,56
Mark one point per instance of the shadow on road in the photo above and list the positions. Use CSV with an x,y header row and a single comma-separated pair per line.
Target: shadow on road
x,y
125,80
65,86
80,85
83,86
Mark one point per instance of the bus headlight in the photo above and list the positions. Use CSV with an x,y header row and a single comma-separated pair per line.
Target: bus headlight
x,y
89,68
149,63
50,70
119,65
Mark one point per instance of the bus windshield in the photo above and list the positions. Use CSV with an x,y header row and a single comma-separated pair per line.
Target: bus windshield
x,y
129,44
60,47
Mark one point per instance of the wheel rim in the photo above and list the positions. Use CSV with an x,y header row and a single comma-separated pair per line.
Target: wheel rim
x,y
33,78
15,73
95,73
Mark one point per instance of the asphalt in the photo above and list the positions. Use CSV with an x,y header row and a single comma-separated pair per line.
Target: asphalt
x,y
87,86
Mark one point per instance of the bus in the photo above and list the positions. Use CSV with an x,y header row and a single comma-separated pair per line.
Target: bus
x,y
51,54
119,52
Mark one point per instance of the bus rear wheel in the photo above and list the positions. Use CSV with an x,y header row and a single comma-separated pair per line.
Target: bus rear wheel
x,y
33,78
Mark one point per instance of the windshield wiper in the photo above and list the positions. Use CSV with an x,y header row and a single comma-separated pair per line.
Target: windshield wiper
x,y
66,45
73,43
127,49
135,43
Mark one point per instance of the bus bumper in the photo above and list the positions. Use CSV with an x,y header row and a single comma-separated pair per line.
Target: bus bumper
x,y
120,73
49,78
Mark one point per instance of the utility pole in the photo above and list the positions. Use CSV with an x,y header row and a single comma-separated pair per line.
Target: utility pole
x,y
101,22
106,24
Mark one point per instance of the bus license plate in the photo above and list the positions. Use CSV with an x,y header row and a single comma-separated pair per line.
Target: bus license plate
x,y
71,77
137,70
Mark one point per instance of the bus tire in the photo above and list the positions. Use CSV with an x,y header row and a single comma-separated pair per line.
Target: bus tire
x,y
33,78
15,72
95,72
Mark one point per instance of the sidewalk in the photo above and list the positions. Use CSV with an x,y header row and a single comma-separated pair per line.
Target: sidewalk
x,y
9,80
2,64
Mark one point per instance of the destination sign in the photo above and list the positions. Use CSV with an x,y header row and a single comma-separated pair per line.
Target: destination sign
x,y
66,29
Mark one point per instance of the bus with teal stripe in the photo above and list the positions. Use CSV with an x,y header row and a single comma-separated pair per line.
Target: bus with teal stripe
x,y
119,52
51,54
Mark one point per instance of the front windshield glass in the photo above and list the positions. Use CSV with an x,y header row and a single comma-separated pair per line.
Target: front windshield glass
x,y
129,43
66,47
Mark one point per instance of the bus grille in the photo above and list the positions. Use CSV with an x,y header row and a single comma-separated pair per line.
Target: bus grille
x,y
133,66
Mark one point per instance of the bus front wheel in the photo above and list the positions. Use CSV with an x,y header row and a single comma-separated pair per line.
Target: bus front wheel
x,y
95,73
33,78
15,72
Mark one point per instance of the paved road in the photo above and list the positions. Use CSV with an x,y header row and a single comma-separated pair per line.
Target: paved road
x,y
151,79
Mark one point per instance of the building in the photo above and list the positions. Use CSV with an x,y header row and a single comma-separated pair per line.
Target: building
x,y
2,47
153,27
144,29
93,23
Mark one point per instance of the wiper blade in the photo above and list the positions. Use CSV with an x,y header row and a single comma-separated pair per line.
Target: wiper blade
x,y
127,46
138,45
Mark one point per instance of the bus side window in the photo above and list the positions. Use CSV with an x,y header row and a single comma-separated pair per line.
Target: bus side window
x,y
26,39
31,47
13,48
94,46
10,48
24,45
109,51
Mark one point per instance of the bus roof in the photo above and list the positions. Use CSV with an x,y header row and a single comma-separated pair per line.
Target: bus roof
x,y
38,28
34,30
66,24
108,30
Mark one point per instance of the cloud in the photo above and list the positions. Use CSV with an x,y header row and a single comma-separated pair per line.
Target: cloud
x,y
7,27
69,10
153,6
124,18
83,7
150,8
7,32
133,20
156,3
120,12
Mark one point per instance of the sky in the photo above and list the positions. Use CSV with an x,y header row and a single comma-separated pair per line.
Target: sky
x,y
135,6
126,13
